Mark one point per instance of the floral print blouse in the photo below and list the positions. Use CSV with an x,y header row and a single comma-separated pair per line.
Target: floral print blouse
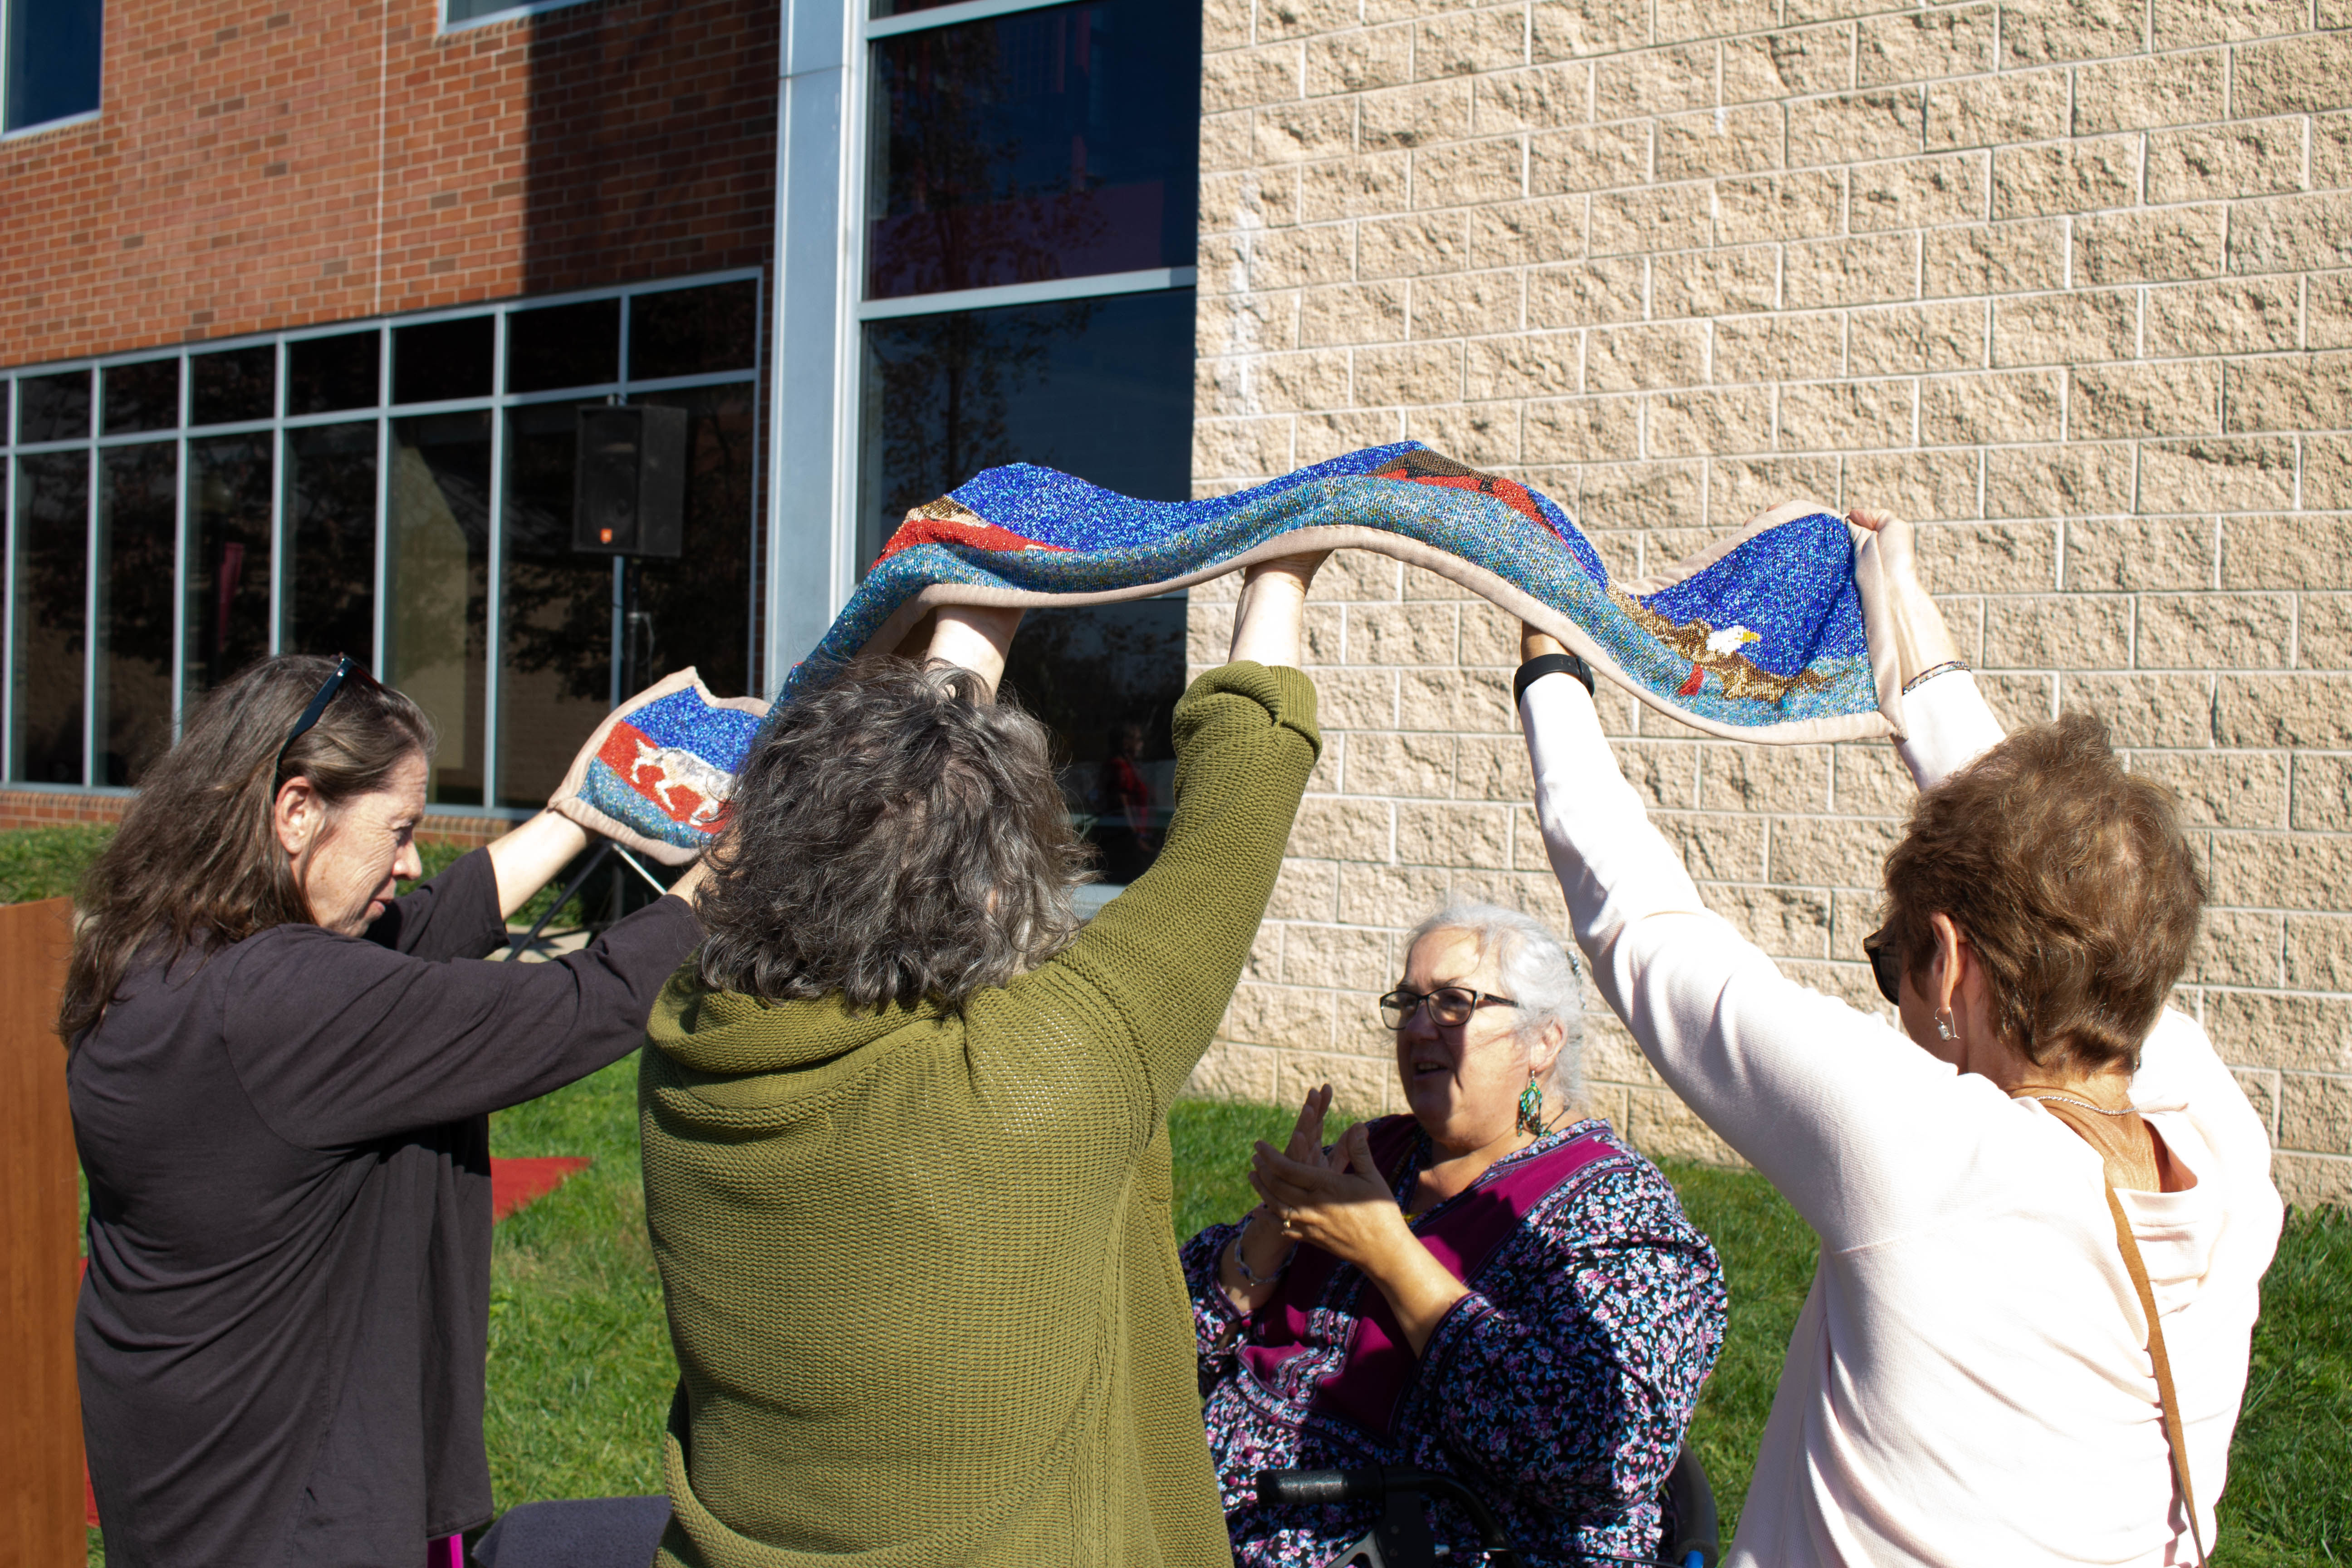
x,y
1558,1389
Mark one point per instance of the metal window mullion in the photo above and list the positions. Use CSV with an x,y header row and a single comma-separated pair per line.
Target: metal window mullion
x,y
183,520
383,542
89,636
279,551
8,762
620,562
849,331
493,640
953,15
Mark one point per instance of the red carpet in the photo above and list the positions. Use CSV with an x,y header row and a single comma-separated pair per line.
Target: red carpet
x,y
513,1184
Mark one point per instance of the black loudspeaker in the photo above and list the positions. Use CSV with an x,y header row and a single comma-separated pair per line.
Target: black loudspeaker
x,y
629,496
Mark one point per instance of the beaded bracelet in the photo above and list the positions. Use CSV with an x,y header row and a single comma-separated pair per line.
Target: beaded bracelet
x,y
1241,1255
1933,670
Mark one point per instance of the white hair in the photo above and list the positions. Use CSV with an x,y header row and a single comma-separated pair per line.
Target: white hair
x,y
1538,970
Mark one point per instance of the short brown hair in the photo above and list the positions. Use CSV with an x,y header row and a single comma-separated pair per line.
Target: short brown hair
x,y
2072,880
197,862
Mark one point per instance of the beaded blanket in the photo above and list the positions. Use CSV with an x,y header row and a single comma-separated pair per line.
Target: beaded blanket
x,y
657,774
1777,633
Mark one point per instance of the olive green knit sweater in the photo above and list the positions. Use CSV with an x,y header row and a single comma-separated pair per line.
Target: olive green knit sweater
x,y
920,1266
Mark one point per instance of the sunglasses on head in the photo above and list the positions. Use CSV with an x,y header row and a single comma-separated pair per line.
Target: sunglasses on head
x,y
346,668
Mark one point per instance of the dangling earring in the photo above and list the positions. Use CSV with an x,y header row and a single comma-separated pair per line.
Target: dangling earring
x,y
1944,1030
1531,1100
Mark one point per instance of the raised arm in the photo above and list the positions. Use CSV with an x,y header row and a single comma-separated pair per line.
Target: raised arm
x,y
1166,954
1815,1093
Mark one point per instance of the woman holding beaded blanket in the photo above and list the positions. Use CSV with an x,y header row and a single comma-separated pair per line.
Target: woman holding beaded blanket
x,y
906,1147
1492,1287
2041,1167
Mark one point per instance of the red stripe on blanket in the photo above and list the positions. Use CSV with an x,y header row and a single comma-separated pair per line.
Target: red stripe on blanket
x,y
945,530
1514,496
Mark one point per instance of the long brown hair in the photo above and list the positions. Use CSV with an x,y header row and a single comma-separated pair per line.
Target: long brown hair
x,y
197,862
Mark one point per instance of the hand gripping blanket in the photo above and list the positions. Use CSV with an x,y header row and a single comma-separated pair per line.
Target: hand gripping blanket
x,y
1780,633
657,774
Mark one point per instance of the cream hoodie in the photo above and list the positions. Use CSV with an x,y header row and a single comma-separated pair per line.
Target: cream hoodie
x,y
1968,1381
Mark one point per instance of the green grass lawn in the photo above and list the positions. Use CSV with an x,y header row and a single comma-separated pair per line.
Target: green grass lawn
x,y
580,1369
580,1373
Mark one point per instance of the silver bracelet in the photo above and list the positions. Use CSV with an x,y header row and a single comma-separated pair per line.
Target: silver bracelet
x,y
1949,667
1241,1255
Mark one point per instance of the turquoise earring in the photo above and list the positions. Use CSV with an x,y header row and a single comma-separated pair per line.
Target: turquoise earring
x,y
1531,1100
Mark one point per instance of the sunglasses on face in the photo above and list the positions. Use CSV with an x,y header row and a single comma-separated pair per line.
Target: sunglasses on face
x,y
1885,965
1450,1006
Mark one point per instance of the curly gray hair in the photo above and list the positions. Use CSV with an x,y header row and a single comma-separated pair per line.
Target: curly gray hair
x,y
1541,974
895,835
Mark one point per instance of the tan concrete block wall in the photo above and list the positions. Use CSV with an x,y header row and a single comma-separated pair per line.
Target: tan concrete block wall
x,y
2070,282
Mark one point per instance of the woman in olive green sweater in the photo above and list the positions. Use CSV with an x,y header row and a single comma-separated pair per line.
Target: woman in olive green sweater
x,y
905,1145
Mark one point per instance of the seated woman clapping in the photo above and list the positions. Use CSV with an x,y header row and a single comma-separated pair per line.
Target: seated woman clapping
x,y
1492,1286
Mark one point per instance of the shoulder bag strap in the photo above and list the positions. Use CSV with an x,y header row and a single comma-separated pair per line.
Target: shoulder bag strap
x,y
2174,1436
2168,1401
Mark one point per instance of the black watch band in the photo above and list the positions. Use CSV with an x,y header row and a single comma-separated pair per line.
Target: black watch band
x,y
1544,664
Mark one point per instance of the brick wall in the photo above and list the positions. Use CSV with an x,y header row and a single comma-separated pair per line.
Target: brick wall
x,y
23,808
258,167
2071,284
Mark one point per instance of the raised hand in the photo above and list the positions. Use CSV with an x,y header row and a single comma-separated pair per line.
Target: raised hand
x,y
1345,1208
974,637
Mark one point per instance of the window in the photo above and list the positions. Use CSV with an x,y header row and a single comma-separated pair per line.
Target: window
x,y
1031,205
466,13
48,61
374,489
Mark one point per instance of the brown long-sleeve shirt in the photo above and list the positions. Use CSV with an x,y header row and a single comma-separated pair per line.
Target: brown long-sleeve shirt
x,y
282,1333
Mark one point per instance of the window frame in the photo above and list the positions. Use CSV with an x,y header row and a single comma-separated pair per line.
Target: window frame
x,y
63,121
381,412
855,310
513,12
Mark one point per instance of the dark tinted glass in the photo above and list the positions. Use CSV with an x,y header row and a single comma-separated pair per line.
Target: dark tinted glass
x,y
563,345
438,586
138,512
698,607
52,546
7,407
693,331
1105,679
442,360
1057,143
900,8
228,558
323,374
1098,388
142,396
234,386
52,54
329,599
53,407
555,684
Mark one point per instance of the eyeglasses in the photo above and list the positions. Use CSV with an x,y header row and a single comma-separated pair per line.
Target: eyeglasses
x,y
1885,965
345,668
1448,1005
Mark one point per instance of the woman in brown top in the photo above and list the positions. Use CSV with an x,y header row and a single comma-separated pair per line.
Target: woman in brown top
x,y
280,1089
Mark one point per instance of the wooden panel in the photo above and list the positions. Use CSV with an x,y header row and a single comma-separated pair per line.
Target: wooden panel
x,y
40,1414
